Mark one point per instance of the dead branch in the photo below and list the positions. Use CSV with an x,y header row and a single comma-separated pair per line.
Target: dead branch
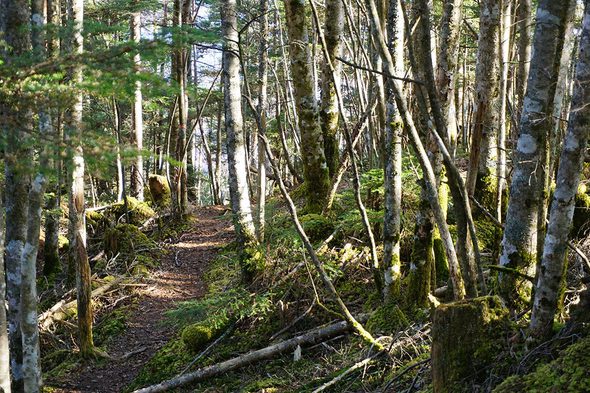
x,y
63,308
312,337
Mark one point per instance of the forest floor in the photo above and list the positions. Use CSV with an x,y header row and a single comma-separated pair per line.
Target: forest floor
x,y
179,278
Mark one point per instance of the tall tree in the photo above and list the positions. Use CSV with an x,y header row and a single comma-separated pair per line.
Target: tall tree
x,y
392,181
77,216
524,26
553,263
315,169
483,149
4,349
261,109
329,115
137,175
18,128
236,147
519,244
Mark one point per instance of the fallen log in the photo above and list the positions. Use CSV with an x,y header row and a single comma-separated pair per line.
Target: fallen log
x,y
63,308
311,337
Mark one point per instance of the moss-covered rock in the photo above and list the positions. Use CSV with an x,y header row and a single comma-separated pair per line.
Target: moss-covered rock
x,y
316,226
581,219
197,335
96,220
158,191
466,338
568,373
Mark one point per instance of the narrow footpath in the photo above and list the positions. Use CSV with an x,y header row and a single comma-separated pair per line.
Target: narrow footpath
x,y
179,278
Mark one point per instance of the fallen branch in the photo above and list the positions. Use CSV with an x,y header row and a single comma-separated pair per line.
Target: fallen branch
x,y
341,376
63,309
312,337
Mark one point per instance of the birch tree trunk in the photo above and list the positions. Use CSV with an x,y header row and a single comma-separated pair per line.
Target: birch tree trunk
x,y
483,150
329,116
236,147
137,175
524,26
76,183
4,348
315,169
429,178
392,182
17,125
553,262
262,109
446,71
519,244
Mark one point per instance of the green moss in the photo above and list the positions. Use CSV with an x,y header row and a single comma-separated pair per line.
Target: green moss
x,y
316,226
568,373
467,336
110,325
95,219
130,244
197,335
139,212
387,319
165,364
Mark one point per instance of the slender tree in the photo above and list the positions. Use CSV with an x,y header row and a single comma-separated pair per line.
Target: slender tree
x,y
315,169
236,148
76,190
261,109
137,175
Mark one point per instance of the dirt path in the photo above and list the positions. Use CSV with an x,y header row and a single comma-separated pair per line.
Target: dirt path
x,y
177,280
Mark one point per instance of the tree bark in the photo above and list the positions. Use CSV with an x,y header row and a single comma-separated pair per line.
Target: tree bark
x,y
524,26
4,340
236,148
315,169
520,235
137,175
76,182
261,109
553,262
481,181
329,116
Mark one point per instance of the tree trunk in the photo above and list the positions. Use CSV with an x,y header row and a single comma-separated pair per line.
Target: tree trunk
x,y
519,245
392,182
137,175
236,148
17,126
261,109
76,203
429,178
315,169
329,115
446,71
4,349
524,26
553,262
481,180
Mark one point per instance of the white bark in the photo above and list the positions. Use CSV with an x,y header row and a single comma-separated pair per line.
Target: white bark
x,y
4,350
562,209
137,175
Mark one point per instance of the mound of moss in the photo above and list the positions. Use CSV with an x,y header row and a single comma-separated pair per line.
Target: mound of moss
x,y
130,243
316,226
138,212
568,373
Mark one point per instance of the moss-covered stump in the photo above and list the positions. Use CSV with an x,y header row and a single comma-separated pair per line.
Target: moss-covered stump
x,y
130,243
466,338
158,191
568,373
138,212
197,335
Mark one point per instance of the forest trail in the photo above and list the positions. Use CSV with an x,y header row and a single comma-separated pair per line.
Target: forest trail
x,y
179,278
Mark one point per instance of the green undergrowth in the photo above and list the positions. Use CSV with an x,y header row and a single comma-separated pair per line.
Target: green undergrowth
x,y
568,373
